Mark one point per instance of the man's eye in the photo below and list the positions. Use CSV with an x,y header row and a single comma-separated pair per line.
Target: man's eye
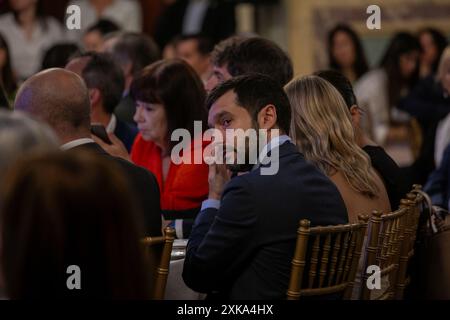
x,y
226,123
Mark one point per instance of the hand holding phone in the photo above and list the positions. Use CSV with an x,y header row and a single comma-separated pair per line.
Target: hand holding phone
x,y
100,131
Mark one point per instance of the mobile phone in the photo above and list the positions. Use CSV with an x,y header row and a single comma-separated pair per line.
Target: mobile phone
x,y
100,131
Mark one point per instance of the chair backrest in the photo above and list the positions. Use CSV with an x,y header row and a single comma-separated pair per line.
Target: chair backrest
x,y
326,260
414,203
159,250
385,239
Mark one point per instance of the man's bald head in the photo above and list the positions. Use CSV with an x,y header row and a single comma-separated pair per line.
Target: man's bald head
x,y
60,98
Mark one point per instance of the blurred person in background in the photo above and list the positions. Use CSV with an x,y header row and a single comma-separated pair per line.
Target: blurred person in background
x,y
133,52
7,77
238,55
213,18
105,82
29,33
379,91
433,43
429,103
60,210
21,135
345,53
93,38
196,50
126,14
58,55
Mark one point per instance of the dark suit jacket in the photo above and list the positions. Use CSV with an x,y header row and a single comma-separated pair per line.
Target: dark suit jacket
x,y
244,249
144,187
126,133
219,21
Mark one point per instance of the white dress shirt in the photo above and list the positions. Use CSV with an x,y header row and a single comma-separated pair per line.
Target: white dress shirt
x,y
75,143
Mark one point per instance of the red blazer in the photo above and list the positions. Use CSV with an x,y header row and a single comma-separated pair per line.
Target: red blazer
x,y
186,185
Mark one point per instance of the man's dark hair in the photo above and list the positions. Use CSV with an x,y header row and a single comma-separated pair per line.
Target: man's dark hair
x,y
103,26
204,44
102,73
253,55
137,49
341,83
254,92
58,55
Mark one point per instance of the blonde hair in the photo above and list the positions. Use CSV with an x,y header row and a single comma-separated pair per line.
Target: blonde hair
x,y
322,129
445,57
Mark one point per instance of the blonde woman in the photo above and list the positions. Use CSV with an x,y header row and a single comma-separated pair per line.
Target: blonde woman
x,y
322,130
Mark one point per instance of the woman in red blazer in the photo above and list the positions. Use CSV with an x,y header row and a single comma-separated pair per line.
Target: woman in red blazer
x,y
169,95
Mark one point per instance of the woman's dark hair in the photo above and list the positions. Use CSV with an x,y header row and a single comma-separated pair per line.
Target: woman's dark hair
x,y
175,85
402,43
360,65
40,15
70,209
439,40
7,77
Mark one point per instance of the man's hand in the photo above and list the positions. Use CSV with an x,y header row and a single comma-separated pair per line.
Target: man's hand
x,y
218,177
116,149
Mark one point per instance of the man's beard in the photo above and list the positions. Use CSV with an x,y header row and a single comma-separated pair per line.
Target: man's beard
x,y
247,164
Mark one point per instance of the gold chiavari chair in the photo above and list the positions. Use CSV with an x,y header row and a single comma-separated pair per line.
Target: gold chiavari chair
x,y
326,260
159,250
386,235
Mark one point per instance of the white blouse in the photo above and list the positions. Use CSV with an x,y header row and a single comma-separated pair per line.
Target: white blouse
x,y
27,54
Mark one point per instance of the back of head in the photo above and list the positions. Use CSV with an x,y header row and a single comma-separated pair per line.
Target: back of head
x,y
204,44
59,98
58,55
102,73
401,43
253,55
135,49
341,83
104,27
175,85
70,209
254,92
20,136
322,129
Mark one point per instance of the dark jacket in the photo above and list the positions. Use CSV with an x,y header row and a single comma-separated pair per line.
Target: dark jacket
x,y
126,133
143,185
244,250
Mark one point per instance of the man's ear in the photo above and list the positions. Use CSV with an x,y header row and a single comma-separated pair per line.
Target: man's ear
x,y
267,117
94,96
356,115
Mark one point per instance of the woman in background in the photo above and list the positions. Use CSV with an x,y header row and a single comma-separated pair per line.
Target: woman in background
x,y
29,33
322,129
170,96
433,43
345,53
63,210
380,90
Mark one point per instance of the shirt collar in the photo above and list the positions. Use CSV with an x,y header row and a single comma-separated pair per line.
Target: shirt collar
x,y
76,143
111,127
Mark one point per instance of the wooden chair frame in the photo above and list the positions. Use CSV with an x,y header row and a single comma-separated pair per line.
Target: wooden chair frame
x,y
163,266
344,242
